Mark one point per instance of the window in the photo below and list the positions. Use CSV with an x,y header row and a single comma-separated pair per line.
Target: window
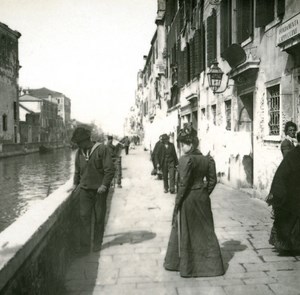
x,y
244,12
267,11
15,111
273,97
226,28
228,114
214,113
4,122
199,50
211,50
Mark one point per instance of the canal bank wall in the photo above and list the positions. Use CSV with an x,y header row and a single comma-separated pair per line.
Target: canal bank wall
x,y
15,149
37,248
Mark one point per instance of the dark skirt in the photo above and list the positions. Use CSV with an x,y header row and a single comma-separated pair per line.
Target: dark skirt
x,y
200,254
285,233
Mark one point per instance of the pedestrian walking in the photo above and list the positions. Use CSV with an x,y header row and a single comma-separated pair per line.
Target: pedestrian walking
x,y
290,140
115,151
94,171
193,247
284,197
155,157
126,144
167,160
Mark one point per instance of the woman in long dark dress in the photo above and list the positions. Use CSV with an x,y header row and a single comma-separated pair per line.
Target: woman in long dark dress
x,y
193,248
284,198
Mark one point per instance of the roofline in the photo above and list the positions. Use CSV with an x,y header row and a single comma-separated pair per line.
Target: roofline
x,y
9,30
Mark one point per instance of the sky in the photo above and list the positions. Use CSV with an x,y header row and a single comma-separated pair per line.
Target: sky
x,y
89,50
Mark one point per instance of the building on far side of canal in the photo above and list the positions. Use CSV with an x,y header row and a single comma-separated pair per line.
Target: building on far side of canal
x,y
233,71
45,116
9,74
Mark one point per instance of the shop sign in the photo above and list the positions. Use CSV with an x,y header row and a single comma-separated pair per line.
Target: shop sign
x,y
288,30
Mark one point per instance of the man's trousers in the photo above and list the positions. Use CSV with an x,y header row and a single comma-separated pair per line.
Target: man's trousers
x,y
91,203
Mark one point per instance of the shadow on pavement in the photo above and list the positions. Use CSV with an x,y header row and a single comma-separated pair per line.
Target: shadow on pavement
x,y
132,237
228,250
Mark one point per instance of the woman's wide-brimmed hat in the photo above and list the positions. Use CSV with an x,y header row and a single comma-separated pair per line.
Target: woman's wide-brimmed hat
x,y
80,134
187,134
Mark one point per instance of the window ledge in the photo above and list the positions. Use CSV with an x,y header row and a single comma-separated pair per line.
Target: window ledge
x,y
247,41
272,24
272,138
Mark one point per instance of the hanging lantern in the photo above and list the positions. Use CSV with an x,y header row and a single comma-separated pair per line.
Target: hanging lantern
x,y
214,76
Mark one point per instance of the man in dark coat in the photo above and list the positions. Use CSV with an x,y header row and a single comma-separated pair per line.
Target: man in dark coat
x,y
126,143
115,151
155,157
94,171
284,198
167,160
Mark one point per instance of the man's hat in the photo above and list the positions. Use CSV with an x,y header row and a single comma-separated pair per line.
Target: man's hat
x,y
165,137
80,134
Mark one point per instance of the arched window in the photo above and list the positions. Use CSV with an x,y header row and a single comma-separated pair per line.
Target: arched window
x,y
4,122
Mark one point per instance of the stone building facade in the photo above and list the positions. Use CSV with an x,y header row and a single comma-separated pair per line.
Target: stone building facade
x,y
9,74
47,113
241,122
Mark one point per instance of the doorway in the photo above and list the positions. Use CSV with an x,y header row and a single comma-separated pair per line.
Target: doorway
x,y
245,124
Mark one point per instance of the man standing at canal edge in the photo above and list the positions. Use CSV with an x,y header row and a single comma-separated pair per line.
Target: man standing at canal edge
x,y
94,171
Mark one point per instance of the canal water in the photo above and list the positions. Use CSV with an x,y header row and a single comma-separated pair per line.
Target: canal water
x,y
30,178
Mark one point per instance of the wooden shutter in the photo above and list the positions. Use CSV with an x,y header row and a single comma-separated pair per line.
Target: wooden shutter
x,y
168,12
225,39
280,7
187,5
180,64
211,38
185,65
191,54
181,69
264,13
202,57
197,53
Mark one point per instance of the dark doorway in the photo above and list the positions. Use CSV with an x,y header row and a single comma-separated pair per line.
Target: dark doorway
x,y
245,124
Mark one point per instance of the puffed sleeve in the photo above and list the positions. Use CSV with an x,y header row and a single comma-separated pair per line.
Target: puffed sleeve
x,y
211,175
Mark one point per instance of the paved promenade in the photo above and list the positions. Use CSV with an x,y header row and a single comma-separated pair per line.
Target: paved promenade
x,y
137,233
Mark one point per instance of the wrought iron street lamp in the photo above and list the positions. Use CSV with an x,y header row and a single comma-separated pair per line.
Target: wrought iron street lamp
x,y
214,76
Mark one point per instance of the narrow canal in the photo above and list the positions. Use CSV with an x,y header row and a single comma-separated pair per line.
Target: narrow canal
x,y
31,178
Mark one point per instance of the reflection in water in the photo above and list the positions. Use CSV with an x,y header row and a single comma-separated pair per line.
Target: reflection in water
x,y
29,178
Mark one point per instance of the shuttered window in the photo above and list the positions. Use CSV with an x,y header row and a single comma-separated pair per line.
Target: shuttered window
x,y
199,46
180,64
280,8
226,29
211,38
264,13
185,66
187,63
192,59
244,19
171,8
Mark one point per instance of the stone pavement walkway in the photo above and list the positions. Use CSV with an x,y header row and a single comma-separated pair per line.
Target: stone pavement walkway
x,y
137,233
